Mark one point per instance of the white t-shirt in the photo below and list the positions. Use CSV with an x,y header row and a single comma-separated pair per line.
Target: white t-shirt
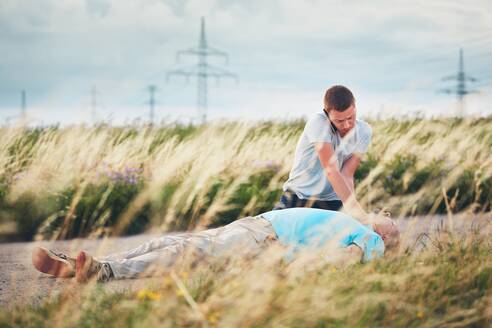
x,y
307,178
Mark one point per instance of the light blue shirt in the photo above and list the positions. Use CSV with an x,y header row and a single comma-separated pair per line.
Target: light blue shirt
x,y
307,178
312,227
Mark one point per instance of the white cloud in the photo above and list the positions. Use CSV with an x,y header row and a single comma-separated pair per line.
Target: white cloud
x,y
285,52
98,7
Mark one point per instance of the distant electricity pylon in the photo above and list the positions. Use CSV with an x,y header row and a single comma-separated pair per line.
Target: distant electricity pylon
x,y
203,70
152,89
93,104
23,105
461,89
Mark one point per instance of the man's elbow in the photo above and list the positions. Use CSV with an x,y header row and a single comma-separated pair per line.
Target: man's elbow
x,y
332,171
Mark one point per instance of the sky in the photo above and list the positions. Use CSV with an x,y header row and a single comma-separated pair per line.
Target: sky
x,y
391,54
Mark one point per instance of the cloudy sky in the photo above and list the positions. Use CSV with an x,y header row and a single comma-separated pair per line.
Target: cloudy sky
x,y
392,54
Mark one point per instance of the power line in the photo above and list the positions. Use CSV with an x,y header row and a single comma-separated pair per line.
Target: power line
x,y
461,89
202,70
484,81
437,50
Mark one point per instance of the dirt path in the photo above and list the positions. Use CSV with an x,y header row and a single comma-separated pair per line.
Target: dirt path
x,y
21,283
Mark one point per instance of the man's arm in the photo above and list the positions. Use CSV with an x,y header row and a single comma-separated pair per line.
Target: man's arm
x,y
343,190
353,253
343,256
348,170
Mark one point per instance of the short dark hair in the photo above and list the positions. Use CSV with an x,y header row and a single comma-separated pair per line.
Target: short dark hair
x,y
338,98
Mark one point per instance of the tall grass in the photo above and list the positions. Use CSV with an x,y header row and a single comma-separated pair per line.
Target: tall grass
x,y
92,181
448,284
80,181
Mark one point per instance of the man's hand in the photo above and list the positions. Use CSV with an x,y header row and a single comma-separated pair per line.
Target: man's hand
x,y
343,256
357,213
342,181
353,253
343,188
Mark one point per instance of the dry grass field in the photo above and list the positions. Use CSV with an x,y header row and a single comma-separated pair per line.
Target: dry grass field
x,y
91,182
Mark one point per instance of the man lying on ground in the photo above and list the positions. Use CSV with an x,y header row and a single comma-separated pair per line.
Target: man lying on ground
x,y
296,228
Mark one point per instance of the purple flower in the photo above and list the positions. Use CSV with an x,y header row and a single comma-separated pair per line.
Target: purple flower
x,y
128,175
269,165
18,176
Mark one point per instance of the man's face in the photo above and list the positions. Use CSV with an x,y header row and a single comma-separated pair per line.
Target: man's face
x,y
343,121
387,229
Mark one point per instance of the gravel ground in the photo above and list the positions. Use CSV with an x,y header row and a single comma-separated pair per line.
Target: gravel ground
x,y
20,283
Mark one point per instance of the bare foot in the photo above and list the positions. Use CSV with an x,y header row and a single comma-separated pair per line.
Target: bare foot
x,y
55,264
82,266
86,267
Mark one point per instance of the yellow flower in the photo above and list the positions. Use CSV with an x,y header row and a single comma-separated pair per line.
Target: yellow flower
x,y
184,275
213,317
145,294
167,281
420,314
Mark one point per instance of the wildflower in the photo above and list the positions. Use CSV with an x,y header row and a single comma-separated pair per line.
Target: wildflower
x,y
269,165
128,175
167,281
145,294
19,176
213,317
420,314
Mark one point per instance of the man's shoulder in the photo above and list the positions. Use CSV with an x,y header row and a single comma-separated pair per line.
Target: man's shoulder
x,y
361,124
363,127
318,122
317,117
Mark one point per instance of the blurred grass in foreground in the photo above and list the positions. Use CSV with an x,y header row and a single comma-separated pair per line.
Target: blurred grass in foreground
x,y
448,284
59,183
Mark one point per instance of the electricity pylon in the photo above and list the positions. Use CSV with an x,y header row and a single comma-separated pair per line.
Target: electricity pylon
x,y
23,106
152,89
461,89
94,94
202,70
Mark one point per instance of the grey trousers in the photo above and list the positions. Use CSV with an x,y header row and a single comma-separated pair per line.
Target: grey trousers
x,y
244,236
